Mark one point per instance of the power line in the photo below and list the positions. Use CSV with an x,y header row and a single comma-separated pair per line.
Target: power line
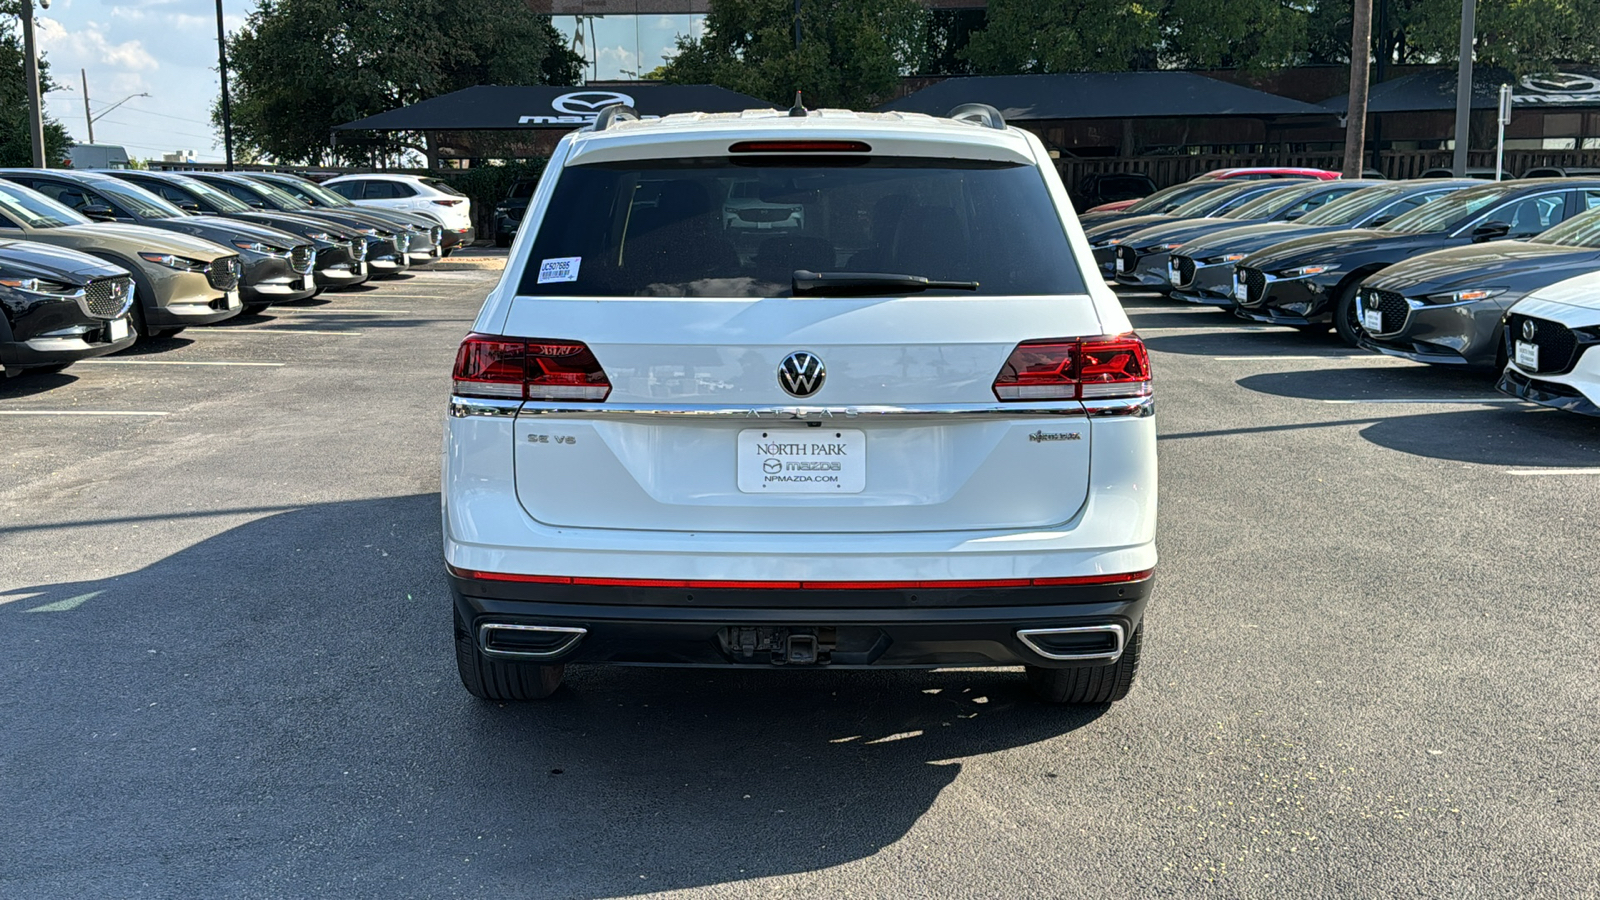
x,y
178,133
150,112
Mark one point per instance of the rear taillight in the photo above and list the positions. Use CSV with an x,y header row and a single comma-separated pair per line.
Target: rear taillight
x,y
528,369
1096,368
446,202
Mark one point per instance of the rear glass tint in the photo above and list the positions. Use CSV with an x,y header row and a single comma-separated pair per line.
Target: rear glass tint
x,y
740,228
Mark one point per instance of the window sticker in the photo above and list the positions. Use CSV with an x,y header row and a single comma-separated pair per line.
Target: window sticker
x,y
564,268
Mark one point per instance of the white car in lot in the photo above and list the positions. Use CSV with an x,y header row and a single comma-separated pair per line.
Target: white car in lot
x,y
1550,335
433,197
917,432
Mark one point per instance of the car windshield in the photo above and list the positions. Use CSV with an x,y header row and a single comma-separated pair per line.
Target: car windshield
x,y
304,189
279,196
1352,207
682,228
1214,202
1273,202
35,210
1169,198
1582,230
144,204
522,190
224,202
440,184
1444,213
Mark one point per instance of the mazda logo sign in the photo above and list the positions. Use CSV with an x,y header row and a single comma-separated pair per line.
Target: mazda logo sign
x,y
1529,330
578,108
801,374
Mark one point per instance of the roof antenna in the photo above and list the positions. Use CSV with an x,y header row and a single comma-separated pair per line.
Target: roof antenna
x,y
798,110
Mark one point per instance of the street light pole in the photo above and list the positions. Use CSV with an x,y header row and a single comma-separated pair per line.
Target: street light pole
x,y
227,108
87,119
1469,11
30,53
1355,122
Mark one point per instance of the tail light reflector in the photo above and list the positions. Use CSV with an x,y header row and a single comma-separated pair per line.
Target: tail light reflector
x,y
1095,368
528,369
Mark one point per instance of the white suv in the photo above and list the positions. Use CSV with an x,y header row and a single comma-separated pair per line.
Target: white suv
x,y
433,197
1550,335
915,432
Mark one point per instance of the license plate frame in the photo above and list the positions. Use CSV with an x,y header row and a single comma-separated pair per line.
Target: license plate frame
x,y
1241,292
1372,320
117,329
1527,356
809,461
232,301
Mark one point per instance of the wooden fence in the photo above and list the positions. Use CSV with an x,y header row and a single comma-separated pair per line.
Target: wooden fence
x,y
1165,170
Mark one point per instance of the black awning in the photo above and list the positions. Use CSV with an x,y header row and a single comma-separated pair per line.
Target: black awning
x,y
1571,87
1102,95
493,107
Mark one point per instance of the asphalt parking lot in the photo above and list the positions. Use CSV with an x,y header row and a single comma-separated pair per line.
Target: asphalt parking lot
x,y
225,645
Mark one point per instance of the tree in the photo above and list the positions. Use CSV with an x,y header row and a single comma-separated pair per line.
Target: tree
x,y
16,143
1524,36
1047,36
852,53
300,67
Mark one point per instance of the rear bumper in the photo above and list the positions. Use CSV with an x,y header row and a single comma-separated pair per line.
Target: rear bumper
x,y
887,628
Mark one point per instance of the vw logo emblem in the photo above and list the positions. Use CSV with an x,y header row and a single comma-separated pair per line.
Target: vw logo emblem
x,y
582,103
1529,329
801,374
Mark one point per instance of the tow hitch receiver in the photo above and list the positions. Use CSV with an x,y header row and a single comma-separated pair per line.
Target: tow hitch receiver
x,y
780,645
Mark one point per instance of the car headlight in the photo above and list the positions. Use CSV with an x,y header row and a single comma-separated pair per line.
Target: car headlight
x,y
1227,258
173,261
1307,271
258,247
369,232
319,236
1172,246
1467,296
38,286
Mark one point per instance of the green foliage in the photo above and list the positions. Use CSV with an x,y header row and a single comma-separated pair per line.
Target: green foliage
x,y
300,67
852,53
1522,35
16,144
1046,36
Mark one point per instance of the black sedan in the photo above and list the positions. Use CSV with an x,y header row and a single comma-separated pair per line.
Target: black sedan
x,y
1447,307
1311,282
58,306
341,249
1106,237
1143,257
429,240
388,243
277,264
1202,270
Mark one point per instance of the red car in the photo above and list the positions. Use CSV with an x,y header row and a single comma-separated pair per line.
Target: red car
x,y
1245,172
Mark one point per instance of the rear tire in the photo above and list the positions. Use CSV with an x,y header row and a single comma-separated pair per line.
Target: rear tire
x,y
1089,684
497,679
1345,320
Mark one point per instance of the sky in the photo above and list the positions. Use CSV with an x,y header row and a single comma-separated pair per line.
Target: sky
x,y
168,49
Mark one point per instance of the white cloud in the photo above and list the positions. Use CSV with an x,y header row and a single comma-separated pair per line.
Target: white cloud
x,y
90,45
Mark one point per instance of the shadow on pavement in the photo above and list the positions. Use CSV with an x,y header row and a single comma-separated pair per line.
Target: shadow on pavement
x,y
25,383
1249,341
1502,436
1367,383
275,709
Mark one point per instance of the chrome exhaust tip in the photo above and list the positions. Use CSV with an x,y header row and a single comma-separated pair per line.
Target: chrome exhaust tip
x,y
1082,643
504,640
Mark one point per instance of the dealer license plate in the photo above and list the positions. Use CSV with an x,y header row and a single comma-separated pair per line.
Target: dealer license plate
x,y
1172,272
1528,356
1372,320
233,299
1240,292
358,268
1122,265
119,329
802,461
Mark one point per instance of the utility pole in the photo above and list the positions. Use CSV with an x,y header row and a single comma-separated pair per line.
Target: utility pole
x,y
87,119
31,73
227,107
1469,12
1355,122
797,24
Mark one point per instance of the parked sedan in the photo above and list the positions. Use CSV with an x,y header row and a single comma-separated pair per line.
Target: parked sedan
x,y
508,212
1447,307
58,306
277,264
178,280
1143,258
1202,269
1251,173
1550,338
432,197
341,250
1105,237
1163,201
387,246
1311,282
429,242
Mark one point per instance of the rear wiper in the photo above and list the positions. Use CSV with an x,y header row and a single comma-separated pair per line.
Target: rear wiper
x,y
848,284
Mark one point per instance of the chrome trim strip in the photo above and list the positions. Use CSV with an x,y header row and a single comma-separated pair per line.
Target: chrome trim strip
x,y
808,413
1026,636
574,636
461,407
1136,407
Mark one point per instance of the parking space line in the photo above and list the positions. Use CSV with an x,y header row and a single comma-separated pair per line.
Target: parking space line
x,y
173,362
1332,356
1588,471
78,412
1458,400
263,329
340,312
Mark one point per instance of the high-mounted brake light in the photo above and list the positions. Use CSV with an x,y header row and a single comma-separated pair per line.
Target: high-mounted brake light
x,y
707,584
528,369
800,147
1096,368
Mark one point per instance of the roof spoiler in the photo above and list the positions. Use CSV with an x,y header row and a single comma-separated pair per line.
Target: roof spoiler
x,y
979,114
614,114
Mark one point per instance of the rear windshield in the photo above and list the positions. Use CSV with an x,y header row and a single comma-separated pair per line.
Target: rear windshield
x,y
726,227
441,185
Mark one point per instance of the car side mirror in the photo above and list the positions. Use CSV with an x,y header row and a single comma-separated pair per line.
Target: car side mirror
x,y
1488,231
193,208
99,213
